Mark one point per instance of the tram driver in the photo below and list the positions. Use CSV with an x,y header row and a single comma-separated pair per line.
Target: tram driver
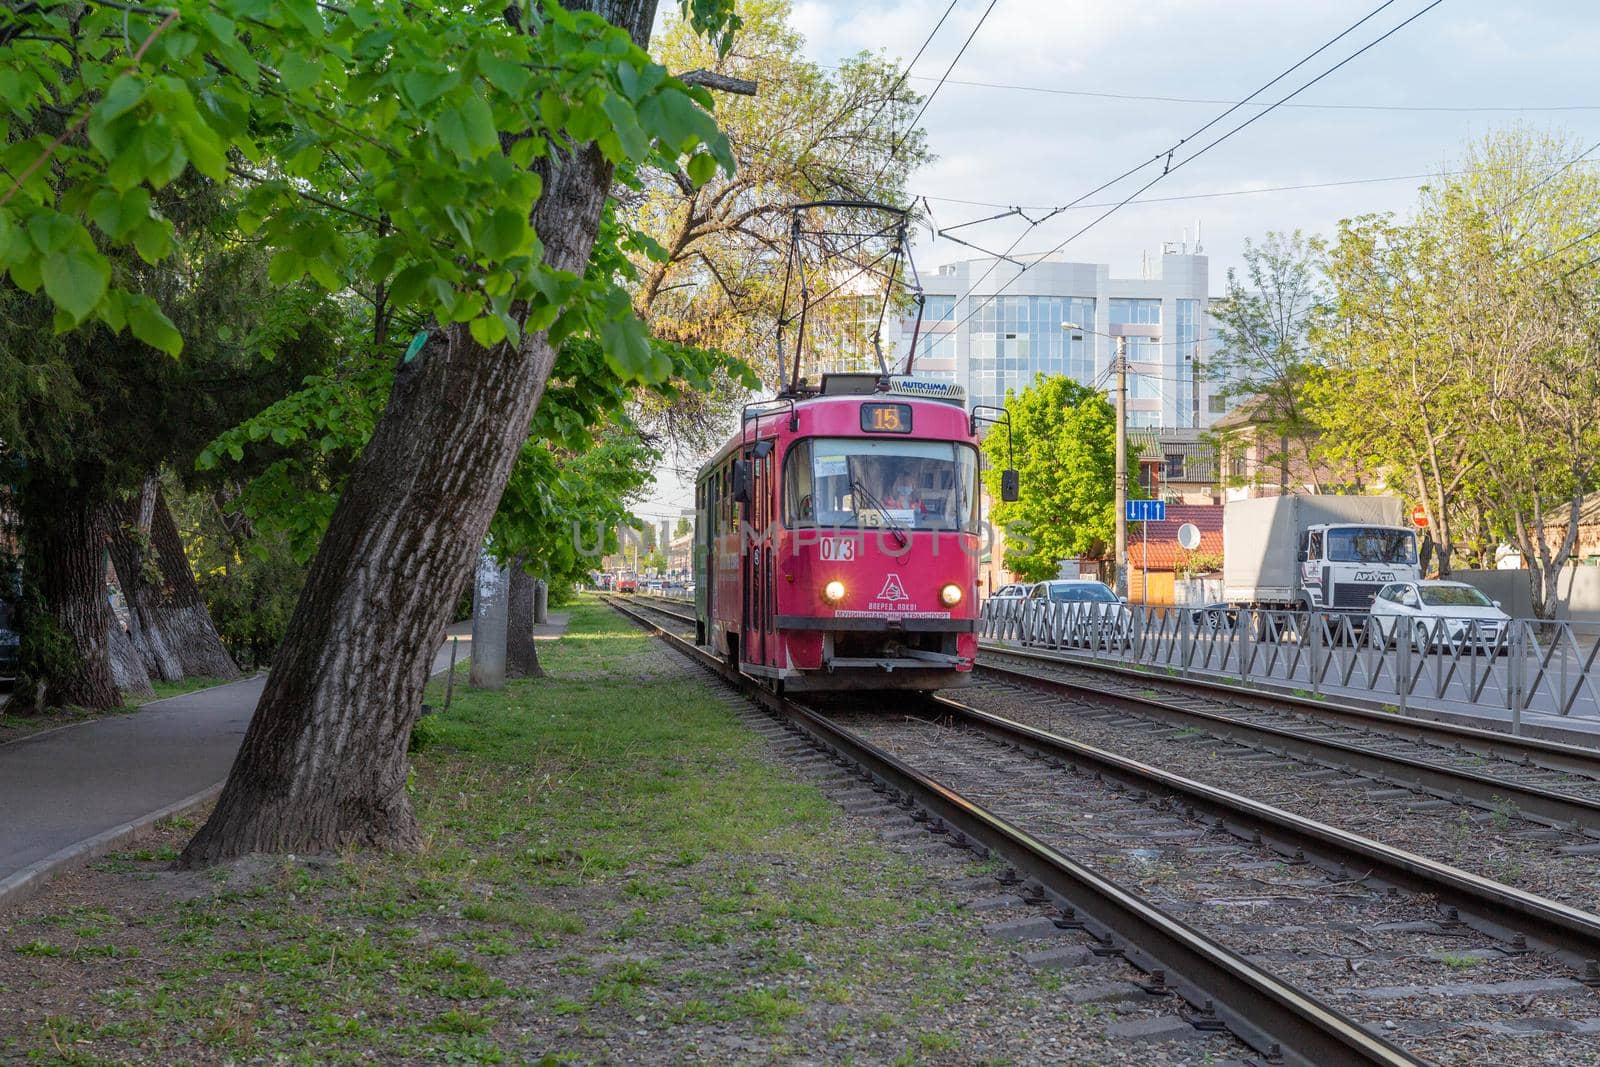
x,y
902,493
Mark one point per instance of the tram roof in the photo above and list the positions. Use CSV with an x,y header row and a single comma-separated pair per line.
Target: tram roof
x,y
819,414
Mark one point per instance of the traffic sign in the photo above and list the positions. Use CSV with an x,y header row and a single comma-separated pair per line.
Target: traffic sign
x,y
1419,516
1147,511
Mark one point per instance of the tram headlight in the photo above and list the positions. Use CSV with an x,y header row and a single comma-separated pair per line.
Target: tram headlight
x,y
951,595
833,592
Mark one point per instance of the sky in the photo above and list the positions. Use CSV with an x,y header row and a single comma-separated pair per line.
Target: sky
x,y
1466,66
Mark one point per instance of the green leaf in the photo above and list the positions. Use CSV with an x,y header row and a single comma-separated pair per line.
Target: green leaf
x,y
488,331
297,71
627,348
14,244
701,168
509,77
150,325
451,128
118,214
153,240
502,233
625,123
407,285
477,119
124,95
423,87
286,267
75,278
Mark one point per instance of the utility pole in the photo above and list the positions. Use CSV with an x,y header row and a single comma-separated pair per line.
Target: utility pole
x,y
1121,577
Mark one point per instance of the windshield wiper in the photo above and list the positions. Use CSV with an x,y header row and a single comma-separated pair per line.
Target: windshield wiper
x,y
900,539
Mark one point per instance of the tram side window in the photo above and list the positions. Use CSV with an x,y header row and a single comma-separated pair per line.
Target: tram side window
x,y
798,505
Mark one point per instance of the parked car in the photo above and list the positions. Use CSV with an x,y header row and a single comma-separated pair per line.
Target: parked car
x,y
1431,613
1079,611
1211,619
10,643
1006,601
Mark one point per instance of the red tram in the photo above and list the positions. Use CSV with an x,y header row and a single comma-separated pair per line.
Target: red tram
x,y
838,537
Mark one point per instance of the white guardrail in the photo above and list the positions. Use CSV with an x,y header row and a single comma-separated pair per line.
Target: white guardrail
x,y
1488,668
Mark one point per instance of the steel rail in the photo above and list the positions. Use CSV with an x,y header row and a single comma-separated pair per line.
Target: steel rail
x,y
1486,791
1498,909
1483,789
1261,1009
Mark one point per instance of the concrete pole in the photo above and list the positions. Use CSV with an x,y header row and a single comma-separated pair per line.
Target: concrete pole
x,y
490,612
541,602
1122,468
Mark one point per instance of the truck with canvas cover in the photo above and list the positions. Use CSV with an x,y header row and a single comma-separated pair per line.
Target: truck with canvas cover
x,y
1315,553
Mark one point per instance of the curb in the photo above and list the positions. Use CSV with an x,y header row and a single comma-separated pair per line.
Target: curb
x,y
32,878
17,887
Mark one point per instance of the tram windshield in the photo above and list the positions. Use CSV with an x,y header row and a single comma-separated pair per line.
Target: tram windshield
x,y
915,485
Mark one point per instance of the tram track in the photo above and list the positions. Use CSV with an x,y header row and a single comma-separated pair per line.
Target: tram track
x,y
1436,764
1517,963
1553,784
1224,989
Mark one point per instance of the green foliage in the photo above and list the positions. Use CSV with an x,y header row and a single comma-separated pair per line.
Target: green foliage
x,y
425,732
1460,362
250,586
1064,434
1265,358
561,508
391,142
810,133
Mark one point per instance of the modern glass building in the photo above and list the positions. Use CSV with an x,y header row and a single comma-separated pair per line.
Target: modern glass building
x,y
997,332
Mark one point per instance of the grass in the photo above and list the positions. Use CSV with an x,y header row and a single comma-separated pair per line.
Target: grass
x,y
163,690
1459,963
605,851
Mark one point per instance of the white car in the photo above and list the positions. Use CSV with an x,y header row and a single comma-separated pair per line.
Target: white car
x,y
1078,611
1433,613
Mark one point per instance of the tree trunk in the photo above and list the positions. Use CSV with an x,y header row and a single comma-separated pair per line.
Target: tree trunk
x,y
522,652
127,665
66,634
324,760
169,620
129,538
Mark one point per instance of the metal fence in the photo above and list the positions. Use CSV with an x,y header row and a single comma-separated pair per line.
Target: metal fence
x,y
1490,668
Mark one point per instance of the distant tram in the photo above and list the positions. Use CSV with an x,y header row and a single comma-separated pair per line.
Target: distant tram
x,y
838,537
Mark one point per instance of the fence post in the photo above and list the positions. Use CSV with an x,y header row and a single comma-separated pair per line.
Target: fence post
x,y
1514,680
1246,638
1402,674
1183,639
1314,621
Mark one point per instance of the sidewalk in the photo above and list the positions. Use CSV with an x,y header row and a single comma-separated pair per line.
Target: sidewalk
x,y
70,794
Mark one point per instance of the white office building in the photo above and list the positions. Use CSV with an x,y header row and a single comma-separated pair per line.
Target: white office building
x,y
991,343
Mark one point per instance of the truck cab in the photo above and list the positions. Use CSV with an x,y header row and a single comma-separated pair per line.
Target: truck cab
x,y
1343,565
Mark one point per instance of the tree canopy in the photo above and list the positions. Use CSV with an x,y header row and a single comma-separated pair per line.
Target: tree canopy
x,y
1064,435
1462,355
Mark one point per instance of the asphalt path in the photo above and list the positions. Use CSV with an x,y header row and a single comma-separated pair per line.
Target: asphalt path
x,y
68,785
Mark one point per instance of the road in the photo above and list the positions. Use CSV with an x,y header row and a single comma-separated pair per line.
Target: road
x,y
66,786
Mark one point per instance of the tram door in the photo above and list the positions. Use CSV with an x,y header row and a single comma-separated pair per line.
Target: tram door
x,y
756,548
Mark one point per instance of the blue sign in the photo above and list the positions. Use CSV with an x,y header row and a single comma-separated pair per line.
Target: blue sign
x,y
1147,510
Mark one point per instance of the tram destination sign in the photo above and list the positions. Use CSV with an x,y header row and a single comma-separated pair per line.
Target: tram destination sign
x,y
885,418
